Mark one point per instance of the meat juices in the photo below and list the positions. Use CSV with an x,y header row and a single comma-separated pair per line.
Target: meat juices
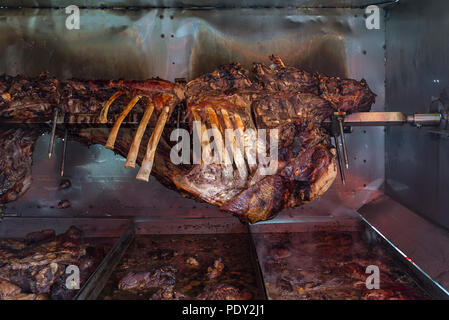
x,y
284,98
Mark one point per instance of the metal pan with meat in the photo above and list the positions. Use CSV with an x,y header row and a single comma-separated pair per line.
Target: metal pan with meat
x,y
43,265
178,267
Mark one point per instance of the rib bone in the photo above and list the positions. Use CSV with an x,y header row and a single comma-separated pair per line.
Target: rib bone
x,y
249,143
219,142
104,111
236,150
134,150
147,163
113,134
206,152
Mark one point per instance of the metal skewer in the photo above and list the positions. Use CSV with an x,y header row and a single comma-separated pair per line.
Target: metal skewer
x,y
335,129
358,119
53,132
343,142
64,149
340,160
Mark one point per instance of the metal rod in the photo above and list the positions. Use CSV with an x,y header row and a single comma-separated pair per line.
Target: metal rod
x,y
340,162
343,141
53,133
96,282
262,290
364,119
358,119
64,150
424,119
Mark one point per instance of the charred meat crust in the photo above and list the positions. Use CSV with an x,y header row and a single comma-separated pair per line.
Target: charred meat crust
x,y
346,94
228,78
25,98
285,79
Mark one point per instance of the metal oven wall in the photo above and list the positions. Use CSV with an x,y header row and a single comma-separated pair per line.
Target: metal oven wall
x,y
417,70
194,3
174,42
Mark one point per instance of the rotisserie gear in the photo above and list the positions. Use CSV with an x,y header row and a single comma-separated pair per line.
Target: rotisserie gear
x,y
278,99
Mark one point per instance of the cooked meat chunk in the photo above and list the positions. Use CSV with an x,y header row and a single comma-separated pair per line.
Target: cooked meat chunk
x,y
160,277
35,268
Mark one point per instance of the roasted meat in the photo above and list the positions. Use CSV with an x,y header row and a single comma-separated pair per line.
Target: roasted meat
x,y
39,236
36,269
16,148
178,267
8,289
158,278
288,103
215,270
